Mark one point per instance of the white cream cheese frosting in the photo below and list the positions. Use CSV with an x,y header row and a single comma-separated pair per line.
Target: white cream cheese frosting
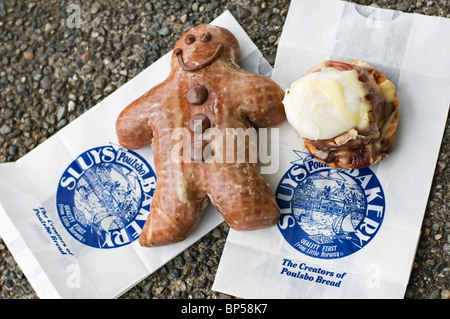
x,y
325,104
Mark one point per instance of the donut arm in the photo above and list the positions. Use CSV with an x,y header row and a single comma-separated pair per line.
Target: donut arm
x,y
262,100
133,125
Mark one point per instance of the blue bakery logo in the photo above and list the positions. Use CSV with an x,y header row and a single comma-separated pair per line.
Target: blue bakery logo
x,y
104,196
329,213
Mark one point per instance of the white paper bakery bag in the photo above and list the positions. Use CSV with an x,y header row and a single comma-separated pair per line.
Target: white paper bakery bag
x,y
348,233
72,209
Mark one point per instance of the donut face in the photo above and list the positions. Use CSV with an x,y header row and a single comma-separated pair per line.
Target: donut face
x,y
203,45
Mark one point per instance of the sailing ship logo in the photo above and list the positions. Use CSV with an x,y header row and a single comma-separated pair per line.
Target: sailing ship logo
x,y
104,196
329,213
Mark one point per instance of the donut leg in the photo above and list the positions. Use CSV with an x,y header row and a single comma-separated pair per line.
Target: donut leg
x,y
242,196
173,215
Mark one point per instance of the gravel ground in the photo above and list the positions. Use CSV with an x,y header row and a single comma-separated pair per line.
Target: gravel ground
x,y
51,74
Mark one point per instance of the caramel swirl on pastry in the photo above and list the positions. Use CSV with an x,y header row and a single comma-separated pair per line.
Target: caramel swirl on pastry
x,y
347,113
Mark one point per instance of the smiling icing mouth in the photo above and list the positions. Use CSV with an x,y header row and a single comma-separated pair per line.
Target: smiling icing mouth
x,y
179,53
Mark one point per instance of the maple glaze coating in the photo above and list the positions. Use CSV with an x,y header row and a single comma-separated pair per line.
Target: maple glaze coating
x,y
205,58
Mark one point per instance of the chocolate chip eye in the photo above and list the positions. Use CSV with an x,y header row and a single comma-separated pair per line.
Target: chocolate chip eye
x,y
190,39
206,37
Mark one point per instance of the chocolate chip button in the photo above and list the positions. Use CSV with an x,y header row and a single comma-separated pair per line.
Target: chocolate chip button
x,y
197,94
199,120
197,148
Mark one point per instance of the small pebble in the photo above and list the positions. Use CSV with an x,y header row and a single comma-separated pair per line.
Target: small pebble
x,y
435,294
71,106
445,294
27,55
5,129
46,83
36,75
175,272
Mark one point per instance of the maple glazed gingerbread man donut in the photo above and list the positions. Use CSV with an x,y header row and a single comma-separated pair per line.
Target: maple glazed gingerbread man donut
x,y
206,92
